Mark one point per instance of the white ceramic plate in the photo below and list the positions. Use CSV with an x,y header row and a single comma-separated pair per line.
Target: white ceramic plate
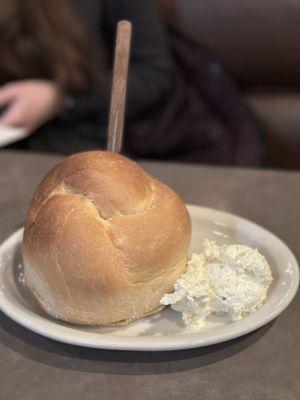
x,y
11,134
164,331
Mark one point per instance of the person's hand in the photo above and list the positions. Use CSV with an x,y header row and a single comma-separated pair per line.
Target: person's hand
x,y
29,103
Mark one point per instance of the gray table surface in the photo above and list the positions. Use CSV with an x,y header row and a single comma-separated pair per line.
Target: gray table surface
x,y
264,365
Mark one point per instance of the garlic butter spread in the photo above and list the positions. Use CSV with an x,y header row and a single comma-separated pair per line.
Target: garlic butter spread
x,y
227,279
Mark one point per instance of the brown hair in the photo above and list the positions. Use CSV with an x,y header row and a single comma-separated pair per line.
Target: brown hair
x,y
45,39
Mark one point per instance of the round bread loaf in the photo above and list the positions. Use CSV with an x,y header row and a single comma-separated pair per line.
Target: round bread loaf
x,y
103,240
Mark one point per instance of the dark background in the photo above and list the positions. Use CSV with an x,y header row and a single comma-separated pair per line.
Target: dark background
x,y
258,42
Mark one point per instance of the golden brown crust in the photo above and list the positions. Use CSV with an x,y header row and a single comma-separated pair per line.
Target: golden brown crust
x,y
103,240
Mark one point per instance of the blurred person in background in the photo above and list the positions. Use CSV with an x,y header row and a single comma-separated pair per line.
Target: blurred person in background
x,y
56,66
55,77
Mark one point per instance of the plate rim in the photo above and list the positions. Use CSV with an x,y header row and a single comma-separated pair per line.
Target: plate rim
x,y
156,343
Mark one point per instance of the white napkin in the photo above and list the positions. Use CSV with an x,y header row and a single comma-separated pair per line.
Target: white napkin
x,y
9,134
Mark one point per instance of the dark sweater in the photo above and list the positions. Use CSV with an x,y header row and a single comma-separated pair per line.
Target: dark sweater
x,y
150,75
